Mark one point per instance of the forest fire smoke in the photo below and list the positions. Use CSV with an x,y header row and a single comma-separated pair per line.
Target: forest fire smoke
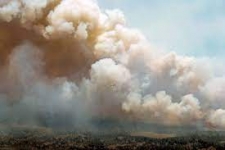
x,y
70,58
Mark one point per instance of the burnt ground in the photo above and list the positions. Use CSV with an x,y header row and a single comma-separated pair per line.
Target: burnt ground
x,y
44,138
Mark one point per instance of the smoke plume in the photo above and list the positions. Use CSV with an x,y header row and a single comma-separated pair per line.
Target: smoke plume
x,y
67,61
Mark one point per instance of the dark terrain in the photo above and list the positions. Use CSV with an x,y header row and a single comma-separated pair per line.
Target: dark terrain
x,y
108,134
23,138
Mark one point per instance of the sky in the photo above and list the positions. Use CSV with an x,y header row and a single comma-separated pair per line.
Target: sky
x,y
189,27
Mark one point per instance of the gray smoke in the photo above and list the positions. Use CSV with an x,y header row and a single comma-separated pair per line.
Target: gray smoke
x,y
67,61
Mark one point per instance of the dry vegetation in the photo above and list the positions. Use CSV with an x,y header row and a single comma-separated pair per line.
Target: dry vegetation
x,y
41,138
152,135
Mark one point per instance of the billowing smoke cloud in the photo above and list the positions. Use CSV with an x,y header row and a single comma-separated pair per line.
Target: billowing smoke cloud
x,y
67,61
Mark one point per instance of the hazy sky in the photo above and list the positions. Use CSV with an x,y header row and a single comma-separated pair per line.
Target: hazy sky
x,y
194,27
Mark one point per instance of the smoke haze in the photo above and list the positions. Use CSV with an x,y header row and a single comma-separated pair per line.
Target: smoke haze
x,y
67,61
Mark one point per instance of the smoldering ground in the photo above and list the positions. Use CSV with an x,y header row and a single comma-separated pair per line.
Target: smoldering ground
x,y
65,62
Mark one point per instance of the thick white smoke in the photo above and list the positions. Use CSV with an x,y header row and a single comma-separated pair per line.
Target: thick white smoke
x,y
66,61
